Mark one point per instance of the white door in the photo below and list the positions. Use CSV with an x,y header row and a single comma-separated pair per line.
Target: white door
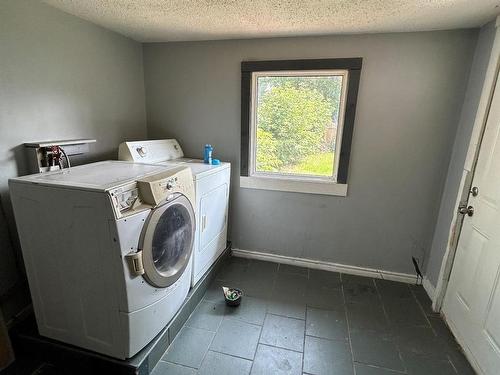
x,y
472,302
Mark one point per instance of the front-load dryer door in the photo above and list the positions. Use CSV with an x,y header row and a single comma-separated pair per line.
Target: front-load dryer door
x,y
167,241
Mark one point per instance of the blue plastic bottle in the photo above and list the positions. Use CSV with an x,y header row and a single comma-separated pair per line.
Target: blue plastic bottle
x,y
207,155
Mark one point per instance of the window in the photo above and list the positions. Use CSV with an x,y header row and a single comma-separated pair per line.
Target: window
x,y
297,123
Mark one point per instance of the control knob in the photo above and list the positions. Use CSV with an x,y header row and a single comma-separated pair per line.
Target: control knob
x,y
142,151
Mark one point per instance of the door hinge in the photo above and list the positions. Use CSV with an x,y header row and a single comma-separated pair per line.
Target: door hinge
x,y
463,209
135,263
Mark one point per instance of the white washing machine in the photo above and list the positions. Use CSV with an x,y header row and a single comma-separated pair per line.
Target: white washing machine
x,y
107,248
212,195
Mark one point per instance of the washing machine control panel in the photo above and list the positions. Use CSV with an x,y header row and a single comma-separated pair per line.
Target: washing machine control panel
x,y
155,151
150,191
169,184
157,188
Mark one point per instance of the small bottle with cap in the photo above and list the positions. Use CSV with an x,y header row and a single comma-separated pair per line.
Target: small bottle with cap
x,y
207,154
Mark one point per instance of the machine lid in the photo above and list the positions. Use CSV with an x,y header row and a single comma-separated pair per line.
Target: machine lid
x,y
95,176
197,166
200,169
167,242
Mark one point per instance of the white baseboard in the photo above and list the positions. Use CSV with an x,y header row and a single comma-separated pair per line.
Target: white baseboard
x,y
328,266
429,288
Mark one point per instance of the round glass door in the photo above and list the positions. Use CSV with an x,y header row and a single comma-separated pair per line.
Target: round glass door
x,y
168,241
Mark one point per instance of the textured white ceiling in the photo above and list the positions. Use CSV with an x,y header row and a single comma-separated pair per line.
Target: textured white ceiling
x,y
176,20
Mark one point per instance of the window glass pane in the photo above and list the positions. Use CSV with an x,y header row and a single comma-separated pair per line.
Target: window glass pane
x,y
296,124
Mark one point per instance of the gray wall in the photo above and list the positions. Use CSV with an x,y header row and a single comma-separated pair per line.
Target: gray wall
x,y
411,91
469,109
61,77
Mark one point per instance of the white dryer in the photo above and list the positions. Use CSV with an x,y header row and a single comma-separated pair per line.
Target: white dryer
x,y
212,195
107,248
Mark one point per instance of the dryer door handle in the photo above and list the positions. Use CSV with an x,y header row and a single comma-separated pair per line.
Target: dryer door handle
x,y
203,223
134,261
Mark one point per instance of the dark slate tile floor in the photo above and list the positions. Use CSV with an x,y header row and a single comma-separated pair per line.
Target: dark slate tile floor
x,y
295,320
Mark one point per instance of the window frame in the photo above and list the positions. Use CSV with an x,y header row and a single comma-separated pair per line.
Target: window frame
x,y
336,185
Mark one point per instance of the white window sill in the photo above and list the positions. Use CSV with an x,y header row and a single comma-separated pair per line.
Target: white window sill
x,y
292,185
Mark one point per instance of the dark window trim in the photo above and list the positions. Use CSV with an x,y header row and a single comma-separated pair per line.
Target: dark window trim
x,y
352,65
